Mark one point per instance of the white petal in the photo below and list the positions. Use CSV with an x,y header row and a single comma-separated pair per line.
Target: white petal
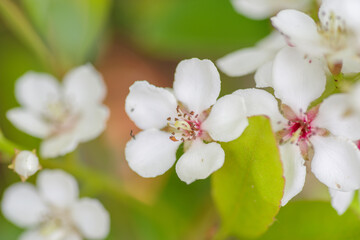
x,y
91,218
32,235
336,162
197,84
333,116
149,106
35,90
260,102
297,81
199,161
227,119
263,76
151,153
57,187
294,171
244,61
28,121
341,200
254,9
84,86
59,145
92,122
299,30
351,64
22,205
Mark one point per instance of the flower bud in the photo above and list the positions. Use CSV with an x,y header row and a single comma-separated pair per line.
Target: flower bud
x,y
25,163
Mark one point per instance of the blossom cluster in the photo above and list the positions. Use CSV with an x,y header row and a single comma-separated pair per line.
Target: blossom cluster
x,y
297,60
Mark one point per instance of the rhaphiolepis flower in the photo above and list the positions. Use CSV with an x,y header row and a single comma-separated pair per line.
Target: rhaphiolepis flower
x,y
304,133
333,39
63,116
261,9
52,211
189,114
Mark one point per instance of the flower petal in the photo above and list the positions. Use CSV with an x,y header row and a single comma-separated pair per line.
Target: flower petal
x,y
244,61
35,90
336,162
22,205
263,76
149,106
197,84
254,9
297,81
32,235
57,187
199,161
333,117
151,153
84,86
92,122
299,30
29,122
294,171
227,119
260,102
341,200
59,145
91,218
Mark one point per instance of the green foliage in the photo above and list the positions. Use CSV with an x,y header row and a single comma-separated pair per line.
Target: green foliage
x,y
248,188
313,221
71,28
188,28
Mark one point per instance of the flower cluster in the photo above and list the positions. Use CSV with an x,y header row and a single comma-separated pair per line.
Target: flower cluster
x,y
53,209
296,62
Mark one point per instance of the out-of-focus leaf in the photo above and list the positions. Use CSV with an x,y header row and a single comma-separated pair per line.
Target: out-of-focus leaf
x,y
70,27
15,60
188,28
248,188
313,221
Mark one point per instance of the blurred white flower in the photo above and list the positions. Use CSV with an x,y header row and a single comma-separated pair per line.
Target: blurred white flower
x,y
333,39
52,211
190,114
257,59
261,9
25,163
64,115
314,134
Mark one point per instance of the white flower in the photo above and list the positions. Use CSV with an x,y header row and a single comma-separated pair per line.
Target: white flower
x,y
64,115
258,58
311,134
52,211
189,114
261,9
25,163
333,39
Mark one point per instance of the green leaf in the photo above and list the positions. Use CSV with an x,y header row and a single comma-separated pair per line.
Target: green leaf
x,y
188,28
313,221
70,27
248,188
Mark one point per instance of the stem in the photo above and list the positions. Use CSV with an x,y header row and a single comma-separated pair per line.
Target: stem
x,y
7,148
18,23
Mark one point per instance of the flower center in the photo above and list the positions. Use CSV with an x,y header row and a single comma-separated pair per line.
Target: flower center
x,y
57,224
299,128
333,29
60,116
185,127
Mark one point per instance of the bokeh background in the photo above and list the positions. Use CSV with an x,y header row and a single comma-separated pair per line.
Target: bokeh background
x,y
126,40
